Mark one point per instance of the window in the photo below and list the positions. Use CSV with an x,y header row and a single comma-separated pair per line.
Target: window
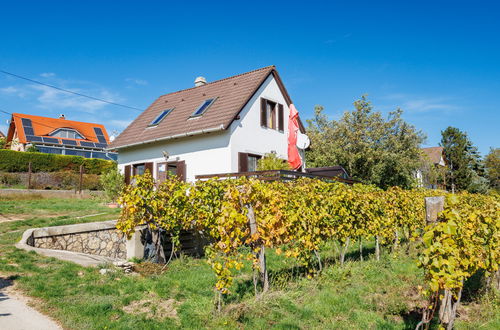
x,y
139,169
271,115
252,162
160,117
247,162
203,107
66,133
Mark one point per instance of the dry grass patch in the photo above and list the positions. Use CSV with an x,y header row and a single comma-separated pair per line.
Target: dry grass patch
x,y
153,307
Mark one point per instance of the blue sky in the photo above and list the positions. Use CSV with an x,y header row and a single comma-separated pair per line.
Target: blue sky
x,y
437,60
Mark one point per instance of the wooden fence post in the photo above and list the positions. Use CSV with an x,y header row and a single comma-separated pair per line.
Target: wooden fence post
x,y
81,179
29,175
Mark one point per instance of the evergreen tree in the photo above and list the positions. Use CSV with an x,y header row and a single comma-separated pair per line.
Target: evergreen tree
x,y
492,164
465,169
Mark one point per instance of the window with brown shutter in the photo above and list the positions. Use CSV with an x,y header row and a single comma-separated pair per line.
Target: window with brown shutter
x,y
148,167
271,114
242,162
263,112
128,169
281,124
181,170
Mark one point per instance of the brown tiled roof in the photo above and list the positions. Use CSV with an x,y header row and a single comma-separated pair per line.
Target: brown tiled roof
x,y
232,95
1,134
433,153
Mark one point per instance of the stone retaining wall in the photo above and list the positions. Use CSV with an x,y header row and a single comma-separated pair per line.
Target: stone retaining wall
x,y
108,243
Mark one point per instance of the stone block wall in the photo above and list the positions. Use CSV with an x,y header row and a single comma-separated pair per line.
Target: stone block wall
x,y
108,242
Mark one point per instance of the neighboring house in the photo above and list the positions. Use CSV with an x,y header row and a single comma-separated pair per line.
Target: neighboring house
x,y
58,136
223,126
432,173
1,135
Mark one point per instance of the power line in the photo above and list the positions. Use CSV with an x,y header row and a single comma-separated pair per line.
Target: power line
x,y
71,92
33,120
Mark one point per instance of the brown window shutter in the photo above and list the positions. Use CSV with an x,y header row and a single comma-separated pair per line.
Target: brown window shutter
x,y
281,125
148,167
128,169
242,162
181,170
263,112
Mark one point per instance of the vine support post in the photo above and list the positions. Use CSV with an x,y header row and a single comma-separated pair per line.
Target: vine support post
x,y
344,250
320,266
448,308
160,253
377,248
361,248
261,254
396,240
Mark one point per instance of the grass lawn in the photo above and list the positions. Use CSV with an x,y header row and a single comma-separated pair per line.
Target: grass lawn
x,y
357,295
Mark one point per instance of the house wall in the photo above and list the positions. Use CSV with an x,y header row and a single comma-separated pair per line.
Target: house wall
x,y
217,152
203,154
248,136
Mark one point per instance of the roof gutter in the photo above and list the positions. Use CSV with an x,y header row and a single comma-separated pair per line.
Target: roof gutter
x,y
176,136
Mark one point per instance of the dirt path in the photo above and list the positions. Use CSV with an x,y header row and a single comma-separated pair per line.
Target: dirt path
x,y
15,314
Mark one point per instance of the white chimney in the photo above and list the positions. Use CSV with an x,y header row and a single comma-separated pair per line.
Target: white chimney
x,y
200,81
61,116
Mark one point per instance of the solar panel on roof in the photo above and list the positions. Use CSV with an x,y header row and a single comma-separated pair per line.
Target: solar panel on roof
x,y
69,142
203,107
87,144
100,135
33,138
101,145
26,122
29,131
50,140
160,117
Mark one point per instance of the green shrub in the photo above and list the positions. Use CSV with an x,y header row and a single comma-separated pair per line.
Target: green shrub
x,y
271,162
10,179
112,182
17,161
65,180
32,148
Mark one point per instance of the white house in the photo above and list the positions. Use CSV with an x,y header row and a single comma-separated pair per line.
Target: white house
x,y
223,126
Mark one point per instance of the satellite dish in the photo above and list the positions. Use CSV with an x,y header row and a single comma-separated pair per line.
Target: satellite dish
x,y
303,141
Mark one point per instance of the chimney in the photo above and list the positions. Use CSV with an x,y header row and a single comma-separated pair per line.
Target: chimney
x,y
200,81
61,116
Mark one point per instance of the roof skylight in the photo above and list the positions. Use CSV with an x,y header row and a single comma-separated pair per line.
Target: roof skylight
x,y
160,117
203,107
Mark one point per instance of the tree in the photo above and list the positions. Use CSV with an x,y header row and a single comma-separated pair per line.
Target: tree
x,y
3,142
464,165
113,182
384,152
492,164
271,162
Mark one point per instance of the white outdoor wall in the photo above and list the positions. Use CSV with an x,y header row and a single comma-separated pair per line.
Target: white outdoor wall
x,y
247,134
218,152
203,154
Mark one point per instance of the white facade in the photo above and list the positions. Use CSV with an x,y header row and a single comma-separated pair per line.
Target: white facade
x,y
217,152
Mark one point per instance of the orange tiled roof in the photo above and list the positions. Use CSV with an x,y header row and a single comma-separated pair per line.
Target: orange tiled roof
x,y
43,126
